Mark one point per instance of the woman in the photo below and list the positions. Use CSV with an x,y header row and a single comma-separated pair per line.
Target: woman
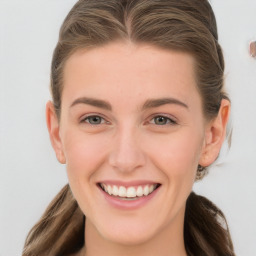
x,y
138,113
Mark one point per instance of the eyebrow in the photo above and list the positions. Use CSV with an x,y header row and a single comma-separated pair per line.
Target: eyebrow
x,y
154,103
150,103
93,102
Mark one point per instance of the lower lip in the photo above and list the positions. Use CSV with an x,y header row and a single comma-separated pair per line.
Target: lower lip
x,y
128,204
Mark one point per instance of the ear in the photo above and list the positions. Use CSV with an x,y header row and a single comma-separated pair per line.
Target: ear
x,y
54,132
215,134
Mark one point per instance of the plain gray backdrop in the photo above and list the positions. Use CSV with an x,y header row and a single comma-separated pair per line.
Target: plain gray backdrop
x,y
30,176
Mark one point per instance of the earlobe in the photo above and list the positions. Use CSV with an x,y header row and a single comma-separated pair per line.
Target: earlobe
x,y
215,134
54,132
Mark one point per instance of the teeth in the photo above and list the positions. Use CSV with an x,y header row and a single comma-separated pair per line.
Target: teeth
x,y
151,188
122,192
109,189
130,192
140,191
146,190
115,191
104,187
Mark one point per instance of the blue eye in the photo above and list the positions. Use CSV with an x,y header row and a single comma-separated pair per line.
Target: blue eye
x,y
94,120
162,120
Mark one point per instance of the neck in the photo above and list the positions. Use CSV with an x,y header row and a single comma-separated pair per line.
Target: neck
x,y
168,242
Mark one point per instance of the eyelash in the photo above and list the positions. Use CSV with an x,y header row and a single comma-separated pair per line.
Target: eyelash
x,y
168,120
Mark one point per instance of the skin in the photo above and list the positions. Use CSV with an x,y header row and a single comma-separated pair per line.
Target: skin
x,y
129,144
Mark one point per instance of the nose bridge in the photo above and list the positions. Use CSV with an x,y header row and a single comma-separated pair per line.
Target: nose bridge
x,y
126,154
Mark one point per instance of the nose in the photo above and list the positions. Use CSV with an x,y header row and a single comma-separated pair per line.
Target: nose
x,y
126,153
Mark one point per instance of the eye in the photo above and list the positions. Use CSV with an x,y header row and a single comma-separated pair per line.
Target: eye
x,y
162,120
94,120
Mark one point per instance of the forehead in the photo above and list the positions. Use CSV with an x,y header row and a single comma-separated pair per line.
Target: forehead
x,y
126,70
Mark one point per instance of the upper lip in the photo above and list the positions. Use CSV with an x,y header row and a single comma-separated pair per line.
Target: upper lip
x,y
128,183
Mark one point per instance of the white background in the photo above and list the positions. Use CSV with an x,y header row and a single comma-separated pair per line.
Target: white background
x,y
30,176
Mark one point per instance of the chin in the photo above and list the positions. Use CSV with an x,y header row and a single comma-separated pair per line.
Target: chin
x,y
128,232
129,238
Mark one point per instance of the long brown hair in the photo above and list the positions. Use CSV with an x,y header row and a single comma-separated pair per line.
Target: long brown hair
x,y
183,25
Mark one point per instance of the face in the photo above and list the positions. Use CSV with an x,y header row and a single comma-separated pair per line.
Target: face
x,y
132,133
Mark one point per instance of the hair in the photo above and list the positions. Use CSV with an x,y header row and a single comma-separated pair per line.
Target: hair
x,y
182,25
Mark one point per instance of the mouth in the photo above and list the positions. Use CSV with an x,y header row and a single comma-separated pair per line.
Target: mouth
x,y
128,193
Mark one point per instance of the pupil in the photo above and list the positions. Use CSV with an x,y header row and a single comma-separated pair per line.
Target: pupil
x,y
161,120
95,120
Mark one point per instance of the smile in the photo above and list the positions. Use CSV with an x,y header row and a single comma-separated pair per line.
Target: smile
x,y
129,193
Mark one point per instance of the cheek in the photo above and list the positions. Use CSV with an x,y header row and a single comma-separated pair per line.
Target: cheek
x,y
84,153
84,156
177,154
